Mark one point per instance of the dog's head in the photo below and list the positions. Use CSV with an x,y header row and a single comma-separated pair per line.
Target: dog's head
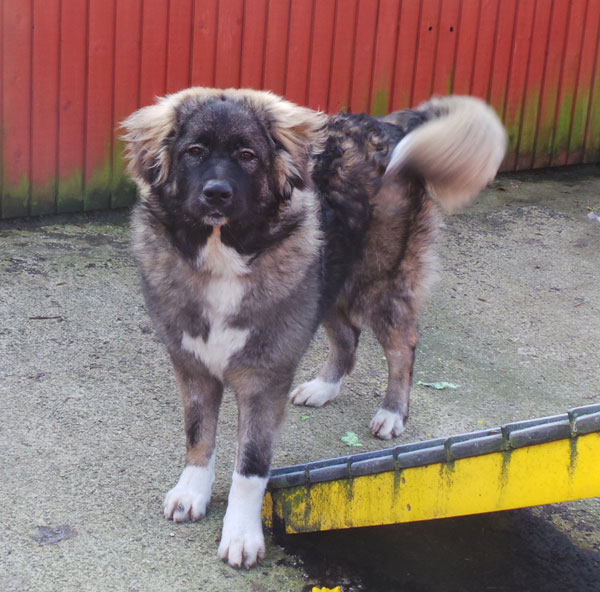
x,y
213,157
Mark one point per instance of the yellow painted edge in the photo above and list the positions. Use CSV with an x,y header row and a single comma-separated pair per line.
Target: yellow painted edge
x,y
558,471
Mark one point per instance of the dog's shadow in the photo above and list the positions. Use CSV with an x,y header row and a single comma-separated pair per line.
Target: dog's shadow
x,y
513,551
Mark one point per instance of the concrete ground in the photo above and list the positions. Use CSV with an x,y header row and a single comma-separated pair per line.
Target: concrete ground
x,y
91,427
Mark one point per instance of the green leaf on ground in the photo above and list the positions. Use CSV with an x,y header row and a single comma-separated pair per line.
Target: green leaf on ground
x,y
351,439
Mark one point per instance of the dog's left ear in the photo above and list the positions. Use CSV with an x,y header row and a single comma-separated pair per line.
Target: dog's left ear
x,y
297,133
145,136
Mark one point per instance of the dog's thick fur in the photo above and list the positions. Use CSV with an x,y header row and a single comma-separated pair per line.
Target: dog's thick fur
x,y
258,220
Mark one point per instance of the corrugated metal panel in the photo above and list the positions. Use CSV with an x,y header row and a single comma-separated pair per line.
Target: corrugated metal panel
x,y
72,69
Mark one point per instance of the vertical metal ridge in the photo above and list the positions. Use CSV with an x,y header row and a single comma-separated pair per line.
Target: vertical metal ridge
x,y
141,49
493,58
191,49
167,45
287,47
331,53
30,98
392,96
525,90
113,93
373,59
85,106
534,154
213,79
511,55
416,60
560,83
264,47
576,90
242,31
264,44
455,56
595,80
353,59
58,110
333,42
2,118
477,29
438,30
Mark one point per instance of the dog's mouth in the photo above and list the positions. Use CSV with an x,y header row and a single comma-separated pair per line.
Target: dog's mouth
x,y
215,219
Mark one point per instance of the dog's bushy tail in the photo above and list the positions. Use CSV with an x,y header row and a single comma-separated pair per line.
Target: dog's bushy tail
x,y
456,152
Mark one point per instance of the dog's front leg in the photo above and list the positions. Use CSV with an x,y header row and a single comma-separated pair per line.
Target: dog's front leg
x,y
201,395
261,405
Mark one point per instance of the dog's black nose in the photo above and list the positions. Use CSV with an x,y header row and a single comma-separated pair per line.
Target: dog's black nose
x,y
217,192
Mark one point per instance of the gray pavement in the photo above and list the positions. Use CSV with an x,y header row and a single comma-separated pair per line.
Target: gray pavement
x,y
91,427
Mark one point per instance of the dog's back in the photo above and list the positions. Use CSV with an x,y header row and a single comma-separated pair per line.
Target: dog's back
x,y
376,176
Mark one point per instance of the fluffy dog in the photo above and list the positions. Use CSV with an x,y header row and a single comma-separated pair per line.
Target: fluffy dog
x,y
258,220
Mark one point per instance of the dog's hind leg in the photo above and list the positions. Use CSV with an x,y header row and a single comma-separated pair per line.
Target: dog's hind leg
x,y
399,344
261,398
343,340
201,396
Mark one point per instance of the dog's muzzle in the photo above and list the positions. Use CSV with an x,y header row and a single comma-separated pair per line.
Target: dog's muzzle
x,y
217,194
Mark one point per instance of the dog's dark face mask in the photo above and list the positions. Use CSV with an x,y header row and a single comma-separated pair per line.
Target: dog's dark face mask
x,y
221,173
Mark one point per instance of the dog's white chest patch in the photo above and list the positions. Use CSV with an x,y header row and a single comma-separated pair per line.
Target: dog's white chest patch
x,y
223,295
216,352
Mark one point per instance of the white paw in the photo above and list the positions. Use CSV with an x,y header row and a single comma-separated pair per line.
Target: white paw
x,y
387,424
241,546
242,541
315,393
187,501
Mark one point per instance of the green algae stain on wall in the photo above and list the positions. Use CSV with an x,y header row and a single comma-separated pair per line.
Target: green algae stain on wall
x,y
70,192
579,120
528,127
107,186
43,197
15,198
97,187
562,131
123,189
379,105
548,126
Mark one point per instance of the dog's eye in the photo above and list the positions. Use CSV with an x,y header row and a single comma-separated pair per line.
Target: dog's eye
x,y
246,154
196,150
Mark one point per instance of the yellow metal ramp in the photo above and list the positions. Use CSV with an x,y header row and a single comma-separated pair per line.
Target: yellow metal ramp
x,y
528,463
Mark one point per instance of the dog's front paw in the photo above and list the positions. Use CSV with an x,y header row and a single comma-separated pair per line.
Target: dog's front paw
x,y
315,393
242,545
387,424
242,542
187,501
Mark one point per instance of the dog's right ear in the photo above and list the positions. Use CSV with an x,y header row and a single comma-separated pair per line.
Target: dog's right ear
x,y
146,132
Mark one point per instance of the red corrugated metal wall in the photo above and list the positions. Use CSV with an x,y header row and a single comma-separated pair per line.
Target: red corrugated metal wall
x,y
70,70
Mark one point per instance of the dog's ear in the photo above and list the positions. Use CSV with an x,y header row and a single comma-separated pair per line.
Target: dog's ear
x,y
146,134
297,133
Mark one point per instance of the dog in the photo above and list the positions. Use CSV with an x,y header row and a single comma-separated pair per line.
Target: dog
x,y
258,220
